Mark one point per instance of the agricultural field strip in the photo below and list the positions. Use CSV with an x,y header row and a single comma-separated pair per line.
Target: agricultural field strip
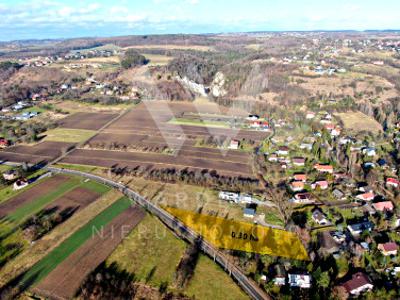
x,y
188,130
45,245
42,268
160,159
108,163
66,278
32,193
88,121
30,208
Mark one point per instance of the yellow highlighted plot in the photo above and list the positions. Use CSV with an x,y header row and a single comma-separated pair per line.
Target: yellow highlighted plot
x,y
229,234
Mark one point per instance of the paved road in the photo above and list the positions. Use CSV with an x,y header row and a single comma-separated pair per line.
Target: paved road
x,y
249,286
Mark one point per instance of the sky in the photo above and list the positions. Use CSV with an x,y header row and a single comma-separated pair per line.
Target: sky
x,y
48,19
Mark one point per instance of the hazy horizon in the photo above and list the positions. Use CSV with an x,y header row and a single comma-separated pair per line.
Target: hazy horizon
x,y
25,20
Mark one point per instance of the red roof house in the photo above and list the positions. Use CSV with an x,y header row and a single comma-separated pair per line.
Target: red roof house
x,y
366,196
388,248
358,284
300,177
392,182
383,206
324,168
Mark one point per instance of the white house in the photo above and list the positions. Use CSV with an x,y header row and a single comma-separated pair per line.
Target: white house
x,y
300,280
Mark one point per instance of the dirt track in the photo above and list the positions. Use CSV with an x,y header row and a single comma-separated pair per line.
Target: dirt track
x,y
33,193
65,279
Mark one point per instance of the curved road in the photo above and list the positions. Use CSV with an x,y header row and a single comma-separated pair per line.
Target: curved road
x,y
249,286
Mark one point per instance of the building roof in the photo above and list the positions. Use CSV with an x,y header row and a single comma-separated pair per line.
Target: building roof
x,y
358,280
384,205
388,247
323,167
300,176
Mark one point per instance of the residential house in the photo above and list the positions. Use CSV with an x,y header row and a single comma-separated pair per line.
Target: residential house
x,y
302,198
392,182
273,157
10,175
369,151
388,249
300,280
249,212
4,143
338,236
383,206
229,196
296,186
234,145
357,284
300,177
283,150
253,117
366,196
20,184
306,146
245,198
280,277
310,115
298,161
338,194
357,228
321,184
324,168
319,217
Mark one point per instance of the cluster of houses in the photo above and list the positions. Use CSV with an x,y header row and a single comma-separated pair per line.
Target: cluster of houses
x,y
103,88
240,198
256,123
318,184
13,176
355,285
8,113
75,55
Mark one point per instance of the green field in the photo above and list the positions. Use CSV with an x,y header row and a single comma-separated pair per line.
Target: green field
x,y
8,191
68,135
199,122
211,282
151,252
21,213
82,168
10,231
59,254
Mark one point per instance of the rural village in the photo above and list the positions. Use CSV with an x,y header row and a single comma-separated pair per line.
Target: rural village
x,y
296,132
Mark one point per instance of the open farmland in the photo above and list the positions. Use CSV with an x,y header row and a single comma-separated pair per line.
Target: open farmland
x,y
114,217
357,121
31,194
88,121
40,152
144,137
172,47
66,278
